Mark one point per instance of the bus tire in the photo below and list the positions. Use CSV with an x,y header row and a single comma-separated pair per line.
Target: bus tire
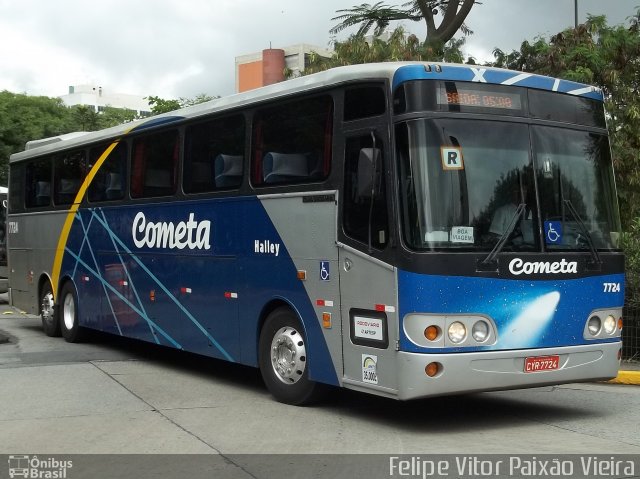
x,y
283,360
68,310
50,321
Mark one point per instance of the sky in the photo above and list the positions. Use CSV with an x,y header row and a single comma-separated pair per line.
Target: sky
x,y
181,48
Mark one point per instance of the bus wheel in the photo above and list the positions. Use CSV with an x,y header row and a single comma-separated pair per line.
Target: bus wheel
x,y
50,322
283,359
68,310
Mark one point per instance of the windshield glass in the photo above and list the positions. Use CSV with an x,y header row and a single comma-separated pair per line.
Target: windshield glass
x,y
467,183
574,172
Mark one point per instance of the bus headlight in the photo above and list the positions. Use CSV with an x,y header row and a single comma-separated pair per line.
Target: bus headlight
x,y
457,332
480,331
594,325
609,324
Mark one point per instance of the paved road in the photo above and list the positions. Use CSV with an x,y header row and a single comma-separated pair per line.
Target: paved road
x,y
111,395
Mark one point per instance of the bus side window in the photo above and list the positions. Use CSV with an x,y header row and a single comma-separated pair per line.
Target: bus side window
x,y
357,198
38,183
68,171
109,182
292,142
214,155
154,165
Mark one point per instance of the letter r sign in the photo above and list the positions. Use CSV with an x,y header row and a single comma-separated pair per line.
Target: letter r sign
x,y
452,158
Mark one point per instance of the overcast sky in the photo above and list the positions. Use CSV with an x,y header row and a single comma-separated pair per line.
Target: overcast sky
x,y
179,48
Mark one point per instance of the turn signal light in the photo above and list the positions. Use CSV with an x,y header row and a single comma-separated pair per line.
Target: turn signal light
x,y
620,323
431,332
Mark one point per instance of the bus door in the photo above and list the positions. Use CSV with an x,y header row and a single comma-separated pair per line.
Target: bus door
x,y
367,281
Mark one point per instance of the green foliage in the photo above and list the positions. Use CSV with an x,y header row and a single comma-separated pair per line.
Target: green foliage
x,y
630,242
24,118
160,105
400,47
379,15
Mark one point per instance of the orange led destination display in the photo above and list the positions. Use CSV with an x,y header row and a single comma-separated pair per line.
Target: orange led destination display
x,y
481,99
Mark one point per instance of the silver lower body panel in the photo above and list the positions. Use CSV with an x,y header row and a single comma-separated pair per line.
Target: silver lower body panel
x,y
496,370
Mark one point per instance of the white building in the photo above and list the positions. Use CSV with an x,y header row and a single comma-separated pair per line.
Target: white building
x,y
98,98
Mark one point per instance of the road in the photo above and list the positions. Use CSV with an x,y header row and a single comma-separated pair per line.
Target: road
x,y
115,396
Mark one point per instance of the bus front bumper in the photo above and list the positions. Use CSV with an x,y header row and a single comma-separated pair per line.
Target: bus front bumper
x,y
498,370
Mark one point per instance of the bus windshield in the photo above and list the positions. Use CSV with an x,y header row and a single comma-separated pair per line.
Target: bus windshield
x,y
467,183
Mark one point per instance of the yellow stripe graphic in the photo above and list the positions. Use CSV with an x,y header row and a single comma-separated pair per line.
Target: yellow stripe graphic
x,y
66,229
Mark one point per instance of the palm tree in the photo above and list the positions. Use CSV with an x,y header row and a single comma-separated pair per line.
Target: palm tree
x,y
380,15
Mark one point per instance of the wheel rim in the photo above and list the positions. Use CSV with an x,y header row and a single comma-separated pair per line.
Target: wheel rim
x,y
69,311
288,355
46,308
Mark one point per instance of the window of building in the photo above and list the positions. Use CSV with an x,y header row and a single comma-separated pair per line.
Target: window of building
x,y
292,142
154,165
214,155
110,180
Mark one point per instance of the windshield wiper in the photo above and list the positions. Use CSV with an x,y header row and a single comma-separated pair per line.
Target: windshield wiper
x,y
594,252
490,260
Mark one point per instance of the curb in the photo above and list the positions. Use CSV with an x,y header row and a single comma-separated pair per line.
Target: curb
x,y
627,377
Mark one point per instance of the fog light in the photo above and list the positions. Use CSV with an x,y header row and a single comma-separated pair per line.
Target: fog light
x,y
457,332
609,324
594,325
480,331
432,369
432,333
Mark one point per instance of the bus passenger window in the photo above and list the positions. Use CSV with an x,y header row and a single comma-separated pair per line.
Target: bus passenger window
x,y
292,142
109,182
214,155
68,171
154,165
38,183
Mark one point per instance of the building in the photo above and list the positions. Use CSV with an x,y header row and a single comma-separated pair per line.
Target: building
x,y
267,67
99,98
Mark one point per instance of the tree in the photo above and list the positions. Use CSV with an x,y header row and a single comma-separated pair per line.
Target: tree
x,y
85,117
24,118
453,13
399,47
160,105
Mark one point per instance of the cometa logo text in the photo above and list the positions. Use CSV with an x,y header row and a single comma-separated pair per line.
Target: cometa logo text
x,y
517,267
190,234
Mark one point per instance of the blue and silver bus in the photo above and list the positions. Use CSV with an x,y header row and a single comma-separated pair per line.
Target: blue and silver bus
x,y
402,229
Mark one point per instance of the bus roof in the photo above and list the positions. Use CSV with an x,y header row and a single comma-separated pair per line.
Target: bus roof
x,y
395,72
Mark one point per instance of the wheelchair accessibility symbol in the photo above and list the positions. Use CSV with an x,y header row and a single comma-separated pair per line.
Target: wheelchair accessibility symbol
x,y
553,232
324,271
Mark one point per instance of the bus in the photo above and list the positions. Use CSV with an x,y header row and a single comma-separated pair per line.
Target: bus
x,y
402,229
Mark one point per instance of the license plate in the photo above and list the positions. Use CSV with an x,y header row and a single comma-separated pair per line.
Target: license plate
x,y
541,363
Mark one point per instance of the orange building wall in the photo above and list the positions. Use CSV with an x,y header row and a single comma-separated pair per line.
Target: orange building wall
x,y
249,76
273,66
